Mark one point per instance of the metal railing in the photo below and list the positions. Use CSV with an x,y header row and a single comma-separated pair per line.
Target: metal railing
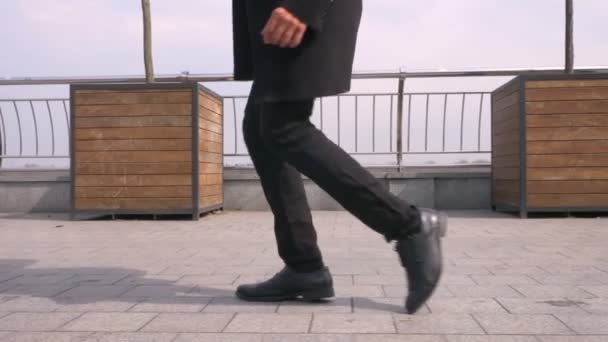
x,y
390,124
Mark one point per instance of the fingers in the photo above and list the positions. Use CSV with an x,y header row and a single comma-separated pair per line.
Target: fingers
x,y
283,29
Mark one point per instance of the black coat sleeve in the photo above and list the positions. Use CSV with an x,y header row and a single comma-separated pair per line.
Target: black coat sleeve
x,y
312,12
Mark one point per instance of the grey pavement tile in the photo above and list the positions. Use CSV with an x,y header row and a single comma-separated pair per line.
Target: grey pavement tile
x,y
541,306
227,279
381,305
598,306
92,304
96,279
22,321
39,290
5,287
379,280
233,305
437,324
213,291
149,279
359,290
521,324
353,323
586,324
399,291
41,279
269,323
516,270
188,322
96,291
572,279
476,262
552,291
464,305
157,291
104,321
179,304
450,269
131,337
491,338
46,337
503,280
350,338
453,279
211,337
483,291
336,305
29,304
572,338
597,290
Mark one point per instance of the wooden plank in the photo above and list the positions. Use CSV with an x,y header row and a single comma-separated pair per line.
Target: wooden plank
x,y
208,103
211,168
505,138
562,94
132,180
567,133
131,168
507,198
566,147
210,179
134,145
128,91
211,190
506,186
567,83
133,156
567,160
506,102
206,114
509,173
210,96
133,203
210,157
567,120
134,192
568,173
567,107
210,146
133,133
134,121
568,187
507,126
157,97
567,200
502,115
210,126
134,110
208,201
210,136
506,90
505,149
506,161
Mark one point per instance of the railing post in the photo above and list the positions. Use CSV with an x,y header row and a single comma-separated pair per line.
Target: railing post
x,y
400,122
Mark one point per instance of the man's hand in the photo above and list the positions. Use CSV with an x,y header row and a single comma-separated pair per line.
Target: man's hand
x,y
283,29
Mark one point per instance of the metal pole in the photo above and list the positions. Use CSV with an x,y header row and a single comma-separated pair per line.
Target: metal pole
x,y
569,36
145,5
400,122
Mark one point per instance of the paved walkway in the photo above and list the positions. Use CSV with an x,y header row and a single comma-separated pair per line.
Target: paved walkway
x,y
506,280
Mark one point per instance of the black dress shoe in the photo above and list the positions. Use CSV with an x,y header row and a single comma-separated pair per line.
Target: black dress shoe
x,y
421,256
288,284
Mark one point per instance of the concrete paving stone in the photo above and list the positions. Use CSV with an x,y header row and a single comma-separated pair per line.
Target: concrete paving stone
x,y
213,291
157,291
597,290
358,290
491,338
572,338
149,279
483,291
503,280
105,321
45,337
381,305
178,304
96,279
189,270
41,279
188,322
4,335
353,323
233,305
450,269
541,306
437,324
29,304
400,291
350,338
39,290
452,279
521,324
476,262
598,306
336,305
561,269
131,337
92,304
516,270
247,270
586,324
464,305
572,279
379,280
208,280
269,323
5,287
211,337
96,291
552,292
24,321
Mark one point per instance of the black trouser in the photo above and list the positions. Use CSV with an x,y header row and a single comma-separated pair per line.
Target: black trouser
x,y
283,143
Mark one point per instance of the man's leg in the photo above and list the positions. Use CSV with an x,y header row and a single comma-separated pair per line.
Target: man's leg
x,y
284,190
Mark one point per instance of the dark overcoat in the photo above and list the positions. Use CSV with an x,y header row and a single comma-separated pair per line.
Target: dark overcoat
x,y
320,66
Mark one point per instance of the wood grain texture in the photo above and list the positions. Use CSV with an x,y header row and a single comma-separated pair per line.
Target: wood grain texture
x,y
210,103
211,168
568,187
567,200
134,110
565,94
567,160
134,168
133,156
507,101
506,186
567,133
134,145
133,203
566,83
210,126
133,180
208,201
567,120
506,161
209,157
507,198
210,136
211,179
568,147
211,190
207,114
179,96
568,173
509,173
211,146
134,121
505,149
567,107
134,192
133,133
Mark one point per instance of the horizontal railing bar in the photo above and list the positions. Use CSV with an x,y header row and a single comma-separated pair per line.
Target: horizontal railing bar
x,y
389,94
391,153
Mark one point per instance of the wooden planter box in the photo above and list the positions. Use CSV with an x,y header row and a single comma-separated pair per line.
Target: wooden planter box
x,y
550,144
146,149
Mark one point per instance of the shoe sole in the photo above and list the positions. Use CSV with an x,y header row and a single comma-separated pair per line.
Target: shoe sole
x,y
308,296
